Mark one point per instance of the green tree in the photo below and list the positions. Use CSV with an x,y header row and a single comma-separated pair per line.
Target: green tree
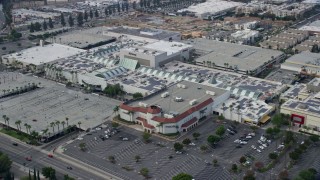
x,y
203,148
67,177
294,156
115,124
220,130
182,176
288,137
314,138
234,168
82,146
62,20
80,19
273,155
31,27
196,135
50,23
186,141
112,159
212,139
71,21
137,95
307,175
177,146
242,159
34,174
7,11
146,136
277,120
49,172
137,158
144,172
5,163
44,25
85,17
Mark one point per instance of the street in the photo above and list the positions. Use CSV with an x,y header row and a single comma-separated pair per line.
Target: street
x,y
40,159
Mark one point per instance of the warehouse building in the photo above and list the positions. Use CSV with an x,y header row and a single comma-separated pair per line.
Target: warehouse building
x,y
178,108
242,59
39,56
305,63
154,54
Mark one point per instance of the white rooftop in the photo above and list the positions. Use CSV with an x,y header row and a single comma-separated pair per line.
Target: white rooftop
x,y
244,33
44,54
211,6
169,47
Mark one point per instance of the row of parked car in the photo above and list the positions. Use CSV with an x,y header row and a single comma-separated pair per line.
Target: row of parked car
x,y
244,139
263,143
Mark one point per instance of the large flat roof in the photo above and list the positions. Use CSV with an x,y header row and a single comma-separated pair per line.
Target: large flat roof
x,y
243,56
169,47
191,92
305,57
44,54
144,32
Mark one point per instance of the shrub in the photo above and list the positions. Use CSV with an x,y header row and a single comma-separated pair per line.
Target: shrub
x,y
4,48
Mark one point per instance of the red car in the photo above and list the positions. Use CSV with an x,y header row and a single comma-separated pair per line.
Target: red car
x,y
28,159
50,155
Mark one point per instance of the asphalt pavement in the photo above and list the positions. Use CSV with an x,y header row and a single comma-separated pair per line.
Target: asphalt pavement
x,y
40,159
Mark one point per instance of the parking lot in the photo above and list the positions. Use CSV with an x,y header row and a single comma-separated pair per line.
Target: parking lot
x,y
52,102
155,155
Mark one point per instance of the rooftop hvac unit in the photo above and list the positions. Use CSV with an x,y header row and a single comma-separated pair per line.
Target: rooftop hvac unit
x,y
193,102
164,95
143,104
168,116
181,86
210,93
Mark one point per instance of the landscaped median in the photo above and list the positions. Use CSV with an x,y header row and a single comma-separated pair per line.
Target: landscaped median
x,y
19,135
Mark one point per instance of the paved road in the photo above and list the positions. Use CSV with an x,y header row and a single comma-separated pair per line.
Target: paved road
x,y
40,159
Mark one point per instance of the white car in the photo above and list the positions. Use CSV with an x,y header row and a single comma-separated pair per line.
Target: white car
x,y
259,150
80,138
98,128
264,145
252,134
248,137
107,136
178,152
259,142
269,141
243,142
125,139
253,147
237,141
192,144
106,132
261,147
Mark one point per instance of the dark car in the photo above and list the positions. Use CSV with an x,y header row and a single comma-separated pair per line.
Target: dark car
x,y
15,144
238,146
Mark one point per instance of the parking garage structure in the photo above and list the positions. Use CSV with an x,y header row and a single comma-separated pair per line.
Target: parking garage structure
x,y
178,108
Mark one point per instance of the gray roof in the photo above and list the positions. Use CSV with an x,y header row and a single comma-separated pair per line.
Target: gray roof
x,y
243,56
136,32
305,58
191,92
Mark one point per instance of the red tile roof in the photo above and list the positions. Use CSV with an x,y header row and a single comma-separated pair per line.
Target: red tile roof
x,y
168,120
145,123
191,121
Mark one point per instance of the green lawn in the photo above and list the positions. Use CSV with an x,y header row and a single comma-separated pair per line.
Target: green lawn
x,y
21,136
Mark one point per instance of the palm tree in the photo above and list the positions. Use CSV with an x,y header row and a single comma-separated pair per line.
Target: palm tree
x,y
116,109
26,125
160,125
67,120
223,107
63,123
45,132
52,124
58,124
5,119
131,115
18,123
79,123
231,108
238,109
29,127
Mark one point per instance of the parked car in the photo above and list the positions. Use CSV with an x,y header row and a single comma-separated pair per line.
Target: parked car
x,y
248,137
98,128
15,144
261,147
264,145
259,150
237,141
238,146
28,158
50,155
253,147
243,142
125,139
178,152
192,144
